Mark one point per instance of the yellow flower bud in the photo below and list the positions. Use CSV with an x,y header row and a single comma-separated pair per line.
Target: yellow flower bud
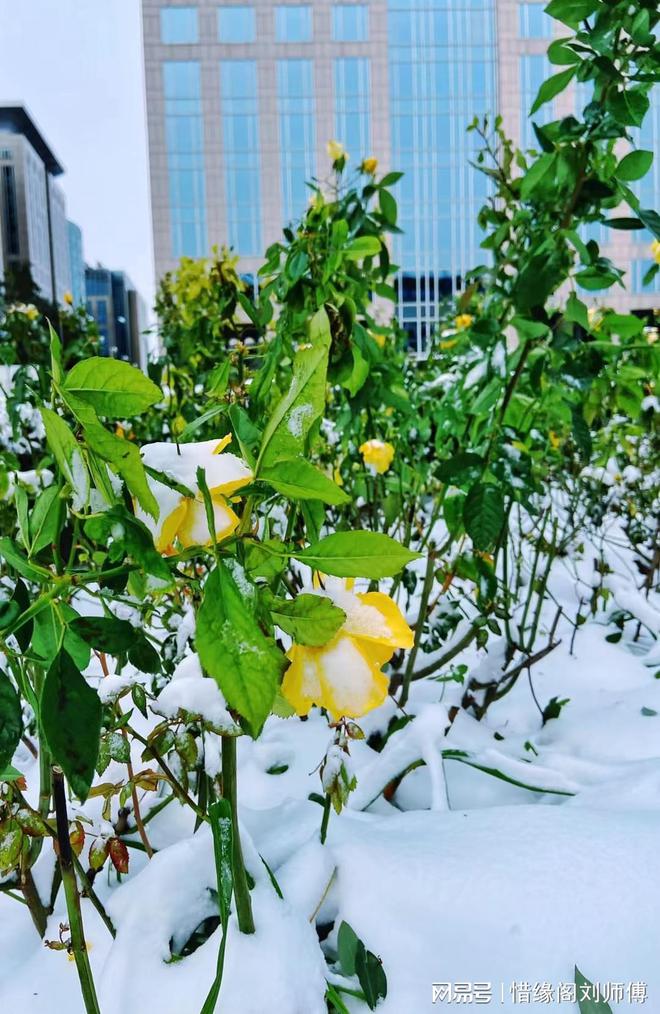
x,y
336,151
463,321
369,165
378,455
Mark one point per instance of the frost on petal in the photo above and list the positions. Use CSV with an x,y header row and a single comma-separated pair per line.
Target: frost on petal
x,y
225,473
351,684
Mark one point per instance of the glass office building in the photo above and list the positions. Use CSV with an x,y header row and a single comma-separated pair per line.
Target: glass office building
x,y
242,99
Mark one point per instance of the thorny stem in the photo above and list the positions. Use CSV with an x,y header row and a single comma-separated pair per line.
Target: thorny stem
x,y
241,890
419,626
78,945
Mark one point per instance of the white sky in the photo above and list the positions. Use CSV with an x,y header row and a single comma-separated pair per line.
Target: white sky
x,y
77,65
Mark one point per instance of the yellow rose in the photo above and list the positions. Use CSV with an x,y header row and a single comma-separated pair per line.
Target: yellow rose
x,y
336,151
31,312
655,250
68,298
378,338
463,321
369,165
378,455
344,676
183,518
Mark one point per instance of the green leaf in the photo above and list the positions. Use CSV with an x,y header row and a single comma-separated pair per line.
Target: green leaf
x,y
624,324
551,87
143,655
45,520
595,279
233,649
387,205
538,176
361,247
357,554
21,501
123,456
11,720
69,456
298,479
112,387
581,435
16,559
634,165
372,979
105,633
287,430
589,1006
651,220
483,514
55,354
347,943
220,817
571,12
308,619
576,312
628,107
560,53
70,716
629,224
460,467
51,630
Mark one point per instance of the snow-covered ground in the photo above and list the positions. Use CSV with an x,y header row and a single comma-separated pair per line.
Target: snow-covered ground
x,y
458,877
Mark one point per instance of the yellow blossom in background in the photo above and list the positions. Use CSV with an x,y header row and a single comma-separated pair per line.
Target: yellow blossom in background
x,y
336,475
554,439
31,312
655,250
594,317
369,165
344,676
68,298
463,321
378,338
448,344
336,150
377,454
183,518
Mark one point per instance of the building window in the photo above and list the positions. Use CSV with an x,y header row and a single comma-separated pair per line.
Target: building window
x,y
178,25
184,137
638,270
295,99
293,24
11,211
350,23
353,105
240,130
533,22
534,69
236,24
435,89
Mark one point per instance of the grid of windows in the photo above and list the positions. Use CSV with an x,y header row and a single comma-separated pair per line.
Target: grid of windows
x,y
236,24
533,22
178,25
184,136
295,100
240,131
353,105
293,24
350,23
442,74
534,69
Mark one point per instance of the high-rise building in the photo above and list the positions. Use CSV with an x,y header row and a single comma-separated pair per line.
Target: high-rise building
x,y
76,263
33,229
118,310
242,98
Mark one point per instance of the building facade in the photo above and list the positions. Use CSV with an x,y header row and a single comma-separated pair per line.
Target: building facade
x,y
33,229
76,263
242,98
116,306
